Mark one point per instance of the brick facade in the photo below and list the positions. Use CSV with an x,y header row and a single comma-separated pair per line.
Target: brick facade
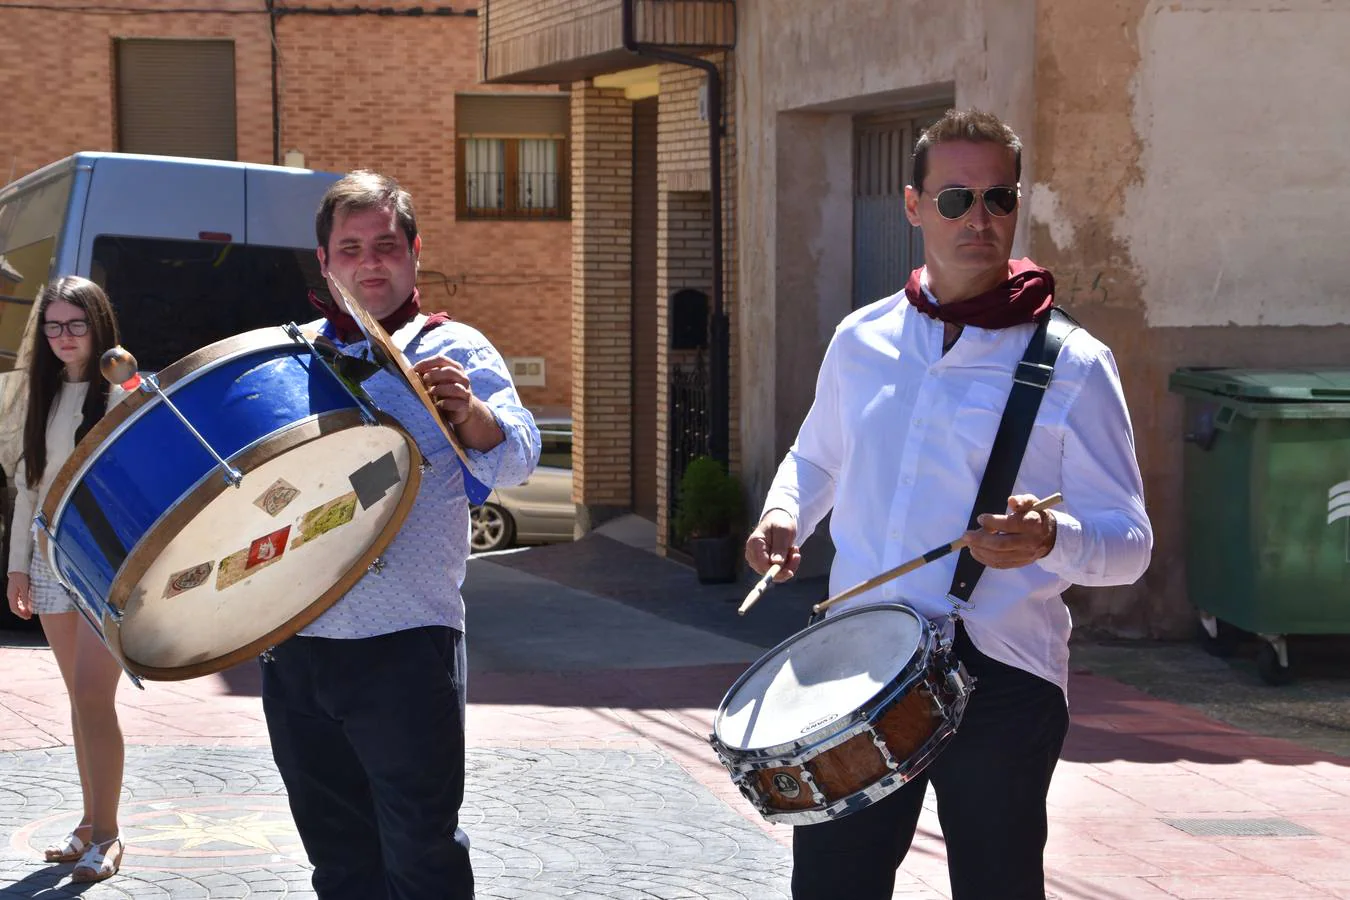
x,y
59,93
602,210
684,241
374,91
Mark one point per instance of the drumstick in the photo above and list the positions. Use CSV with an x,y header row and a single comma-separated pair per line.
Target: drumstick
x,y
379,340
916,562
758,590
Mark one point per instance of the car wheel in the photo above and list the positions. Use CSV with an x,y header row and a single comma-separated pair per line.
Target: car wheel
x,y
493,528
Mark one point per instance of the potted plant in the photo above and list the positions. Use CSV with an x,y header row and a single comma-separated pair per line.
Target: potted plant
x,y
708,510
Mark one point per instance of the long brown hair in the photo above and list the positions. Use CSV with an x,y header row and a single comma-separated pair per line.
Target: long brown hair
x,y
44,368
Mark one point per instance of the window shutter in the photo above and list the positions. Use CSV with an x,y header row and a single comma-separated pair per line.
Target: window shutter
x,y
512,115
176,98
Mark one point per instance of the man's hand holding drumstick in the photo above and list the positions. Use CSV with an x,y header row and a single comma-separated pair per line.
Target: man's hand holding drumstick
x,y
774,543
448,384
1015,539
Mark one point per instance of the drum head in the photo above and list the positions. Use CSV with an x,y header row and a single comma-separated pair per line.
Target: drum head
x,y
233,571
822,674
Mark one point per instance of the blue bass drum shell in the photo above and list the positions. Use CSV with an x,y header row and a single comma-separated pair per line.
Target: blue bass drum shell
x,y
141,491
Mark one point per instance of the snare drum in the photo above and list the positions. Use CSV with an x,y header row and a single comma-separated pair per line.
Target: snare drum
x,y
183,573
841,714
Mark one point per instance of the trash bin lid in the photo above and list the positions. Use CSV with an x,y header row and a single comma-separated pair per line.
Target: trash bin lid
x,y
1258,385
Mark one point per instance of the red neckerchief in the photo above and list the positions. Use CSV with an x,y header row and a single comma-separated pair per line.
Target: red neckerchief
x,y
1019,300
348,332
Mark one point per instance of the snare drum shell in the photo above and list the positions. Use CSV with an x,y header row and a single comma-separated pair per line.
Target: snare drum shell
x,y
903,670
857,758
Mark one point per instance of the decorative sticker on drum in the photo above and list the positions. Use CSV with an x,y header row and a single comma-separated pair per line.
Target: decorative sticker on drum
x,y
787,786
267,549
323,519
373,480
188,579
277,497
259,555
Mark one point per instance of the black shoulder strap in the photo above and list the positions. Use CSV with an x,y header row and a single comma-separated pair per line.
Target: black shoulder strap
x,y
1032,377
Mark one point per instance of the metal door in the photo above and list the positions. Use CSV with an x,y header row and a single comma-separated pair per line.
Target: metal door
x,y
886,248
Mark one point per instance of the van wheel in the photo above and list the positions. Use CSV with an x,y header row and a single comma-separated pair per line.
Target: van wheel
x,y
493,528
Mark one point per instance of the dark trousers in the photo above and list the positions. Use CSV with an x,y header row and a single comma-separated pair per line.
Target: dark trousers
x,y
991,782
369,738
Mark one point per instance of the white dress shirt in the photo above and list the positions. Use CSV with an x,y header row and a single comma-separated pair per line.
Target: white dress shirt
x,y
897,440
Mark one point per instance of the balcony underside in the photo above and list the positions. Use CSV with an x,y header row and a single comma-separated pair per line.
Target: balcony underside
x,y
529,44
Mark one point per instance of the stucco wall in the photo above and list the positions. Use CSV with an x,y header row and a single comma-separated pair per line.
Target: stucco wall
x,y
805,69
1240,215
1186,178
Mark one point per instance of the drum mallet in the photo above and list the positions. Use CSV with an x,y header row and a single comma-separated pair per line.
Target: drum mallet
x,y
936,553
119,367
760,587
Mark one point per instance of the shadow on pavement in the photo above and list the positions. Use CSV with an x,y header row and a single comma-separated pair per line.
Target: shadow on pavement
x,y
52,881
664,588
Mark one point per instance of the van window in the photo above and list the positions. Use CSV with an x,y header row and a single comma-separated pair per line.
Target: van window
x,y
29,222
174,297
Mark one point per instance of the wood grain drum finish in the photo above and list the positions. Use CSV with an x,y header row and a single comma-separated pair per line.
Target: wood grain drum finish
x,y
841,714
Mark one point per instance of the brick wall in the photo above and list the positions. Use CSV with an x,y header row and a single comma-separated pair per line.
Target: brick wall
x,y
57,89
684,260
375,91
602,196
382,95
685,240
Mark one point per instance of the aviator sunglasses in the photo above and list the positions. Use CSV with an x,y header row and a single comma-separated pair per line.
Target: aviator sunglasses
x,y
955,202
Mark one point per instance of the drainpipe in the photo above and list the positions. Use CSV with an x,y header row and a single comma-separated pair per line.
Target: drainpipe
x,y
719,340
276,102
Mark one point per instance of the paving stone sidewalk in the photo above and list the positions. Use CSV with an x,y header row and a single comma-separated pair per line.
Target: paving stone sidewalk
x,y
596,670
543,822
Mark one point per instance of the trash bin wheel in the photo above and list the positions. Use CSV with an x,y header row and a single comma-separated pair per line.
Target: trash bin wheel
x,y
1222,645
1268,665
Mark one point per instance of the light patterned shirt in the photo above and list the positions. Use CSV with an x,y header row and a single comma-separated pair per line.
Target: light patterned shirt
x,y
424,565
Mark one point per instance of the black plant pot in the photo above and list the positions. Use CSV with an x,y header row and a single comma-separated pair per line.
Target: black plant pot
x,y
714,559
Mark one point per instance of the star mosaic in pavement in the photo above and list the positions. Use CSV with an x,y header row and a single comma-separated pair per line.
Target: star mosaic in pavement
x,y
195,830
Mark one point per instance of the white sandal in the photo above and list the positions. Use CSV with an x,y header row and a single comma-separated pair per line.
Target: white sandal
x,y
97,864
71,848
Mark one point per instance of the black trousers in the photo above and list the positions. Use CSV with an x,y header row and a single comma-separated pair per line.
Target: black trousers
x,y
369,738
991,782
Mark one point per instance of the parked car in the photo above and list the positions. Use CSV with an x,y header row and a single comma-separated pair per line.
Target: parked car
x,y
540,511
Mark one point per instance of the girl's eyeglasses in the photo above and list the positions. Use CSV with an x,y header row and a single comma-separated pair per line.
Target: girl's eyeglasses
x,y
74,328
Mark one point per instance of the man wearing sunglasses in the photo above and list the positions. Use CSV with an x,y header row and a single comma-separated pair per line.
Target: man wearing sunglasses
x,y
908,401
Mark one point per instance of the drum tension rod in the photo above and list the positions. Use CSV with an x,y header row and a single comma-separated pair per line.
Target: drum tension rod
x,y
362,404
119,368
150,384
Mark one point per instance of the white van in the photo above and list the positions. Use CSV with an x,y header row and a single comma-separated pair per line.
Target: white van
x,y
190,251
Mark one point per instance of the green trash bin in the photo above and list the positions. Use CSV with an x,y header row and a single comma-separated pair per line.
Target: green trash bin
x,y
1267,505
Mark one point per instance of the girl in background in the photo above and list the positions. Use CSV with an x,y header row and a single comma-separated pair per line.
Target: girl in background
x,y
66,397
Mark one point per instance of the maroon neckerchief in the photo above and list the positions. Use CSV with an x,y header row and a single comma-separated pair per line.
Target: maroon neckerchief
x,y
1019,300
348,332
